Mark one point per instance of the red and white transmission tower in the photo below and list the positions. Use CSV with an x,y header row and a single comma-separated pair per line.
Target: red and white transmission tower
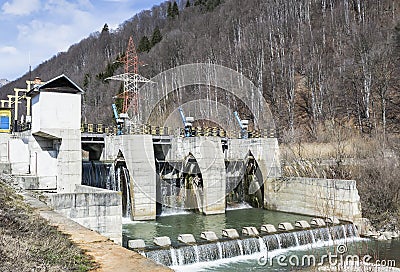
x,y
131,79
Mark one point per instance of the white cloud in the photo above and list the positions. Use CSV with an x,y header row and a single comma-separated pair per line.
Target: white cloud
x,y
8,50
46,35
66,23
20,7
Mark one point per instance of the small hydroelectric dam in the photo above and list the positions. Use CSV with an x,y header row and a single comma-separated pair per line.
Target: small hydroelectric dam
x,y
181,163
152,164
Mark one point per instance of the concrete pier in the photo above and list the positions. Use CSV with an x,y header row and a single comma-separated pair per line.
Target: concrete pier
x,y
139,158
203,154
207,152
264,150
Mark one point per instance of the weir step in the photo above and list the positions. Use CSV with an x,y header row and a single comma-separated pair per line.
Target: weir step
x,y
162,241
285,226
186,238
302,224
230,248
230,233
209,236
332,220
317,222
136,244
250,231
268,228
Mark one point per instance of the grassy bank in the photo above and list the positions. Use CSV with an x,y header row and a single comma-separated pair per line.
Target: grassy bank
x,y
28,243
371,160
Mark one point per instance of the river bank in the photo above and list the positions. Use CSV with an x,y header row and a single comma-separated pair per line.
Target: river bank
x,y
36,238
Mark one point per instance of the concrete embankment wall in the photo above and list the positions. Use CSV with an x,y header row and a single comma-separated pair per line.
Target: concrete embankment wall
x,y
93,208
312,196
106,255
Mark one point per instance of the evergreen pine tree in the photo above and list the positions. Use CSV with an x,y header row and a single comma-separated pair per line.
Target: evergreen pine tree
x,y
175,10
169,10
198,2
187,4
212,4
105,28
144,45
157,37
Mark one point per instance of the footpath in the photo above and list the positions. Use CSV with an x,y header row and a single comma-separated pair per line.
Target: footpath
x,y
107,255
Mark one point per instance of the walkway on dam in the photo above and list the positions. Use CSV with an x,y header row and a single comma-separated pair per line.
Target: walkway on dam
x,y
108,257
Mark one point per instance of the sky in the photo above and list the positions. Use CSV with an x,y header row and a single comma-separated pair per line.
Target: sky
x,y
32,31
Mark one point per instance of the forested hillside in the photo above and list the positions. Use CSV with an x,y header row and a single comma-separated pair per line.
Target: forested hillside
x,y
315,60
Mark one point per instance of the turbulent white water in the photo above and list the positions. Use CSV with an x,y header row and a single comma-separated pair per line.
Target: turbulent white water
x,y
250,249
239,206
171,211
222,263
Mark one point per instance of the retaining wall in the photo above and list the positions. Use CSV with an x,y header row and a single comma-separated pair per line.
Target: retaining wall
x,y
93,208
312,196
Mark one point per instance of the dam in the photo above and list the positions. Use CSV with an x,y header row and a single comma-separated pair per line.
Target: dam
x,y
161,160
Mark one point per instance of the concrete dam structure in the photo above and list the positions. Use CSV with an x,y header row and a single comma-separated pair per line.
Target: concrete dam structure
x,y
205,170
156,169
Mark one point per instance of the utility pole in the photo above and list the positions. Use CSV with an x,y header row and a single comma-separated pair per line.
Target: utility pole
x,y
17,97
16,101
3,102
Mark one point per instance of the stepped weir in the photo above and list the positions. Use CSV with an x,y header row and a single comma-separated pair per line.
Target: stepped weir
x,y
184,254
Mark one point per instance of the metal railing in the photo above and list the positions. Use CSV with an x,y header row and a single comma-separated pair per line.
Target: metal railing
x,y
177,132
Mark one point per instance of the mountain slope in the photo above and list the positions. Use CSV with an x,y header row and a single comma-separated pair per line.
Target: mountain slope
x,y
314,60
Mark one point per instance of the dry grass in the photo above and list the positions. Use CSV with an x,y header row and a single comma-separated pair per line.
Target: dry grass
x,y
341,152
355,147
28,243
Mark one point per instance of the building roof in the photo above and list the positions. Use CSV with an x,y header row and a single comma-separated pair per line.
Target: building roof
x,y
61,84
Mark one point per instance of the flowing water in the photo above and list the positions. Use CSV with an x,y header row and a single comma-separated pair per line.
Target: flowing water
x,y
254,254
195,223
107,176
227,255
99,174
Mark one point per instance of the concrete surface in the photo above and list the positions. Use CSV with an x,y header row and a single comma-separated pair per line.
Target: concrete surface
x,y
109,256
264,150
94,208
139,158
207,152
312,196
4,155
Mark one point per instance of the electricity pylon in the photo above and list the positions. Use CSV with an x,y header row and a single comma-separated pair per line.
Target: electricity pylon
x,y
131,79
